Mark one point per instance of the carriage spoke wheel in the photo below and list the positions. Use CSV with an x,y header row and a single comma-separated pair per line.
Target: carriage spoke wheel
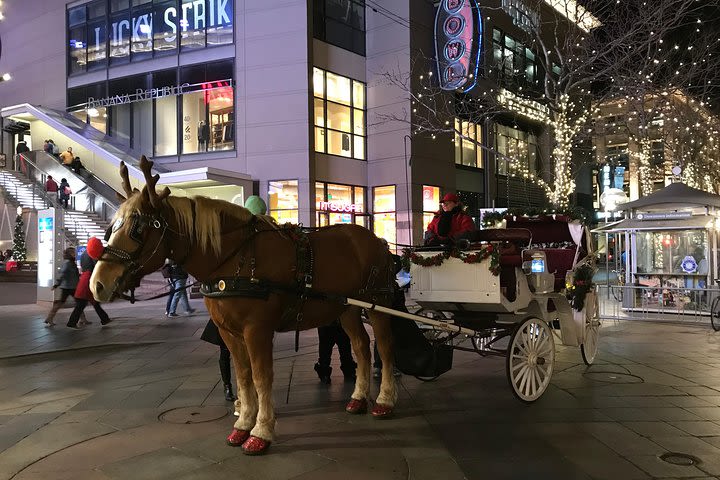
x,y
530,359
589,347
715,314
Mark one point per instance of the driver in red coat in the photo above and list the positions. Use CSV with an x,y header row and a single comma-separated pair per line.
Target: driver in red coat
x,y
449,222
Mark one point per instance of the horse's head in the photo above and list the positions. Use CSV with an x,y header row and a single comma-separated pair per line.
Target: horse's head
x,y
137,239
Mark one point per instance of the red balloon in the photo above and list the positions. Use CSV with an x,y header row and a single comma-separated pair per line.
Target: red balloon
x,y
95,248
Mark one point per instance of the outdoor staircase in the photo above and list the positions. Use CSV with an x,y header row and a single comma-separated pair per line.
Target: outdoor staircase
x,y
79,226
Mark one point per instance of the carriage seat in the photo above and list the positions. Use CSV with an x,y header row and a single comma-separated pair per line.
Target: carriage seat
x,y
518,236
558,261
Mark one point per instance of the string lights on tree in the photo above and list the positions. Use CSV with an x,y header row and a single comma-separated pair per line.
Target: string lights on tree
x,y
576,70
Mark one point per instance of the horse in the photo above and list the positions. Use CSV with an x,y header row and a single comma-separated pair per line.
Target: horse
x,y
258,278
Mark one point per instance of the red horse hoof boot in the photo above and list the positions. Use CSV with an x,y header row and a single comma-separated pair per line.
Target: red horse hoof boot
x,y
237,437
356,407
255,446
382,411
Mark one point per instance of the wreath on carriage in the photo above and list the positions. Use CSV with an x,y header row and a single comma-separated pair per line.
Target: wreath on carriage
x,y
476,256
581,285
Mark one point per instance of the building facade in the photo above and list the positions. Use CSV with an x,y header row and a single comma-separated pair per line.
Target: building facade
x,y
289,94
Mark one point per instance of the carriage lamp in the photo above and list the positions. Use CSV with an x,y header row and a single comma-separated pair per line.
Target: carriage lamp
x,y
537,262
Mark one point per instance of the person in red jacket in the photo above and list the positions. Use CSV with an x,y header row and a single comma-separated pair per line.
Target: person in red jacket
x,y
449,222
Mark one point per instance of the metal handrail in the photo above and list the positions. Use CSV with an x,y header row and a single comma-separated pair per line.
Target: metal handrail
x,y
87,190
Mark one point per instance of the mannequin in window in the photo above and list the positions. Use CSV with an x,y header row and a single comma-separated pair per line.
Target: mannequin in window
x,y
203,136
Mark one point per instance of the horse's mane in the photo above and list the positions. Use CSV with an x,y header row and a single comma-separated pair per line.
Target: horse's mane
x,y
200,218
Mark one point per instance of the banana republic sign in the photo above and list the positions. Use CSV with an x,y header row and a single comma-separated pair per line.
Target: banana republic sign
x,y
151,93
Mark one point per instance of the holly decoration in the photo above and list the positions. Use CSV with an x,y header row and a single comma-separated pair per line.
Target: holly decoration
x,y
19,249
475,256
582,284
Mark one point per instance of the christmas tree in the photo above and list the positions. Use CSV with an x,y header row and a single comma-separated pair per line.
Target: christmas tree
x,y
19,249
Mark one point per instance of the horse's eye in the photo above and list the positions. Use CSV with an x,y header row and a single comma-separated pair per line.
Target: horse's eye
x,y
118,223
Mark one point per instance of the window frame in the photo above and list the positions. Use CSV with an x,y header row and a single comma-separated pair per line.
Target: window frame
x,y
352,123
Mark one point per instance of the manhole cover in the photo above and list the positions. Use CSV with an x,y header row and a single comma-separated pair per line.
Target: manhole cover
x,y
613,377
193,414
682,459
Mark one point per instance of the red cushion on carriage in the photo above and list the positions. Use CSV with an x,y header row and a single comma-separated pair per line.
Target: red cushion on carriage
x,y
520,236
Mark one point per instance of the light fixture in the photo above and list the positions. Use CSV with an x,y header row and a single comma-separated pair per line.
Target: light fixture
x,y
5,77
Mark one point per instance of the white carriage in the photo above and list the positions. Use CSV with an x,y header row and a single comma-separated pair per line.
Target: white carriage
x,y
505,292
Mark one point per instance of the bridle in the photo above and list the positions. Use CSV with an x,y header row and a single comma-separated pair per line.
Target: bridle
x,y
131,260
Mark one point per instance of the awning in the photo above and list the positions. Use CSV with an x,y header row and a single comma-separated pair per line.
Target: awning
x,y
691,223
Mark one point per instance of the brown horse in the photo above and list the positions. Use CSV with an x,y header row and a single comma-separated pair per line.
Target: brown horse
x,y
274,279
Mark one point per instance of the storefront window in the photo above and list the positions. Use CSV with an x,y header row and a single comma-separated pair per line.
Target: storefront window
x,y
339,204
97,45
165,38
431,203
283,201
98,118
139,29
384,219
468,150
77,59
339,115
120,38
672,252
166,126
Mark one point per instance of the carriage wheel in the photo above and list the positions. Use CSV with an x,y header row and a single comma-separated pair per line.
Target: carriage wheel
x,y
530,359
589,347
715,315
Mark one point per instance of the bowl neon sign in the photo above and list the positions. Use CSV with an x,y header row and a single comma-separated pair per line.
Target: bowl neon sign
x,y
456,51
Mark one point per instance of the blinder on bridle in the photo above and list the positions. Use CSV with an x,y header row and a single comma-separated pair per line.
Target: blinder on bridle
x,y
139,226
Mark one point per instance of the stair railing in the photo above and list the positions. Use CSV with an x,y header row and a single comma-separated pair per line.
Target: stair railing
x,y
83,199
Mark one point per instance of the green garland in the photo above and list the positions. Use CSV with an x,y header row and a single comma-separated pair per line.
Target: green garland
x,y
487,251
573,213
582,284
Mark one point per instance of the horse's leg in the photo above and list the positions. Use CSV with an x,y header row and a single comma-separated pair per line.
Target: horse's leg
x,y
384,341
353,326
259,342
247,403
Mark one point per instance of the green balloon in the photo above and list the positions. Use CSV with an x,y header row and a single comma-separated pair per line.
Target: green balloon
x,y
256,205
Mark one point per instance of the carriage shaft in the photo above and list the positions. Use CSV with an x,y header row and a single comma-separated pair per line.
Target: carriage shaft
x,y
418,318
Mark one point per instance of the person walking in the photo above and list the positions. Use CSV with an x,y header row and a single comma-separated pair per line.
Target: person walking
x,y
83,295
51,185
329,336
179,277
47,147
64,193
67,283
211,334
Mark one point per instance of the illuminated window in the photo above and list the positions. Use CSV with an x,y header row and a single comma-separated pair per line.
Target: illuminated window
x,y
339,115
431,203
517,146
336,204
283,200
468,150
384,224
